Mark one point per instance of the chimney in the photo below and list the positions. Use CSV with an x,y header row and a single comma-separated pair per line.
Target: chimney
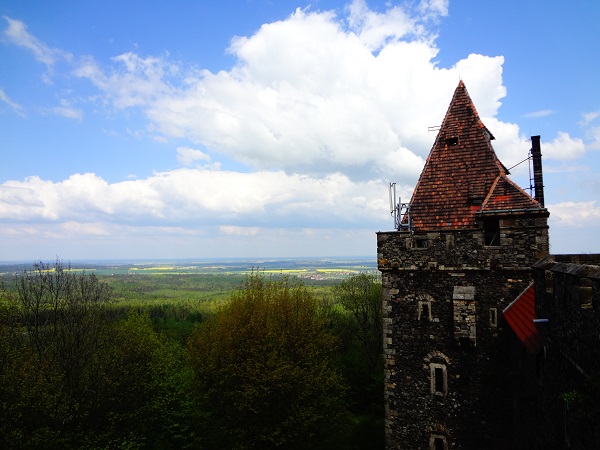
x,y
538,178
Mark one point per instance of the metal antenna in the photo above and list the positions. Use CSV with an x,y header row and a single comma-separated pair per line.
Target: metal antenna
x,y
393,206
399,210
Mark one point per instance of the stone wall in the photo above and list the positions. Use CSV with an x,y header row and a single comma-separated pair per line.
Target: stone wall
x,y
568,376
523,241
446,352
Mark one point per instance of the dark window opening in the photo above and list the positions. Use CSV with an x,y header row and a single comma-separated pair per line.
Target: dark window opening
x,y
439,382
451,141
424,311
464,341
493,317
439,444
421,243
439,379
491,229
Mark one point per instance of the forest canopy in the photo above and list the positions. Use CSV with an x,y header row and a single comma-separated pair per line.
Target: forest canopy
x,y
274,366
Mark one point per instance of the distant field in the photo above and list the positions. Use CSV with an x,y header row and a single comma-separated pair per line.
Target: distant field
x,y
302,267
200,285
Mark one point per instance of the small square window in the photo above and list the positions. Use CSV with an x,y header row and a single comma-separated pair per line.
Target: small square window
x,y
421,243
452,141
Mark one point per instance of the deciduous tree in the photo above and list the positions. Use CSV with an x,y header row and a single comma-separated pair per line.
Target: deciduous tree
x,y
361,296
263,369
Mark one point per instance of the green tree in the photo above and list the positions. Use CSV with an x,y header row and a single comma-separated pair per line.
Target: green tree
x,y
72,376
57,320
360,295
359,325
263,369
142,396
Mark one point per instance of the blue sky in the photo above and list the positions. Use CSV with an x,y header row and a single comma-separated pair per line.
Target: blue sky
x,y
187,129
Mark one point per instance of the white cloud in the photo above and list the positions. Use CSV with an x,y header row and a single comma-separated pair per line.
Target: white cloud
x,y
13,105
132,80
540,113
65,110
563,147
594,133
230,230
589,117
17,33
314,93
196,196
325,109
434,8
575,214
592,129
187,156
376,29
308,96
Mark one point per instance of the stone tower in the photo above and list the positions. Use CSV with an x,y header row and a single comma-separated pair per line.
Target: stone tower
x,y
462,253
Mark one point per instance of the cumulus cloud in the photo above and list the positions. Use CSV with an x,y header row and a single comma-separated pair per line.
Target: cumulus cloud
x,y
187,156
196,196
307,95
563,147
575,214
323,109
314,93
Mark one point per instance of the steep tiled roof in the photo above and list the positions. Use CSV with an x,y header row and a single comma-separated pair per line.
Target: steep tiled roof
x,y
506,195
520,314
462,175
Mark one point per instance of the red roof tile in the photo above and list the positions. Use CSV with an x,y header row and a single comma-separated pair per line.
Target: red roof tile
x,y
463,176
519,315
506,195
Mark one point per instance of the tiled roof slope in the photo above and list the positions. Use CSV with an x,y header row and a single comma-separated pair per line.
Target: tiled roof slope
x,y
520,315
506,195
462,175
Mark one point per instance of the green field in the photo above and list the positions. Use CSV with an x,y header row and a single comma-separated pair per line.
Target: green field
x,y
178,293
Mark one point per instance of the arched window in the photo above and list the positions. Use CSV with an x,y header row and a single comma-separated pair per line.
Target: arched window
x,y
424,313
438,442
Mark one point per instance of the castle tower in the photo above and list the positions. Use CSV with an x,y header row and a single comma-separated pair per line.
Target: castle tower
x,y
462,253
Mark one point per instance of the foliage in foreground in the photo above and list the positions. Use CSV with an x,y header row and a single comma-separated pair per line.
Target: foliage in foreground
x,y
272,369
263,369
359,328
72,377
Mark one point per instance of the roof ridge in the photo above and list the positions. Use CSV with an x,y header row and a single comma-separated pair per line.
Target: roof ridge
x,y
490,192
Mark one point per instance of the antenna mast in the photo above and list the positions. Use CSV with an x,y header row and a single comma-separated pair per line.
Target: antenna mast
x,y
399,211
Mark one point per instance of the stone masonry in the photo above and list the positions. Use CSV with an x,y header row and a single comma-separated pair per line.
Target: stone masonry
x,y
448,273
